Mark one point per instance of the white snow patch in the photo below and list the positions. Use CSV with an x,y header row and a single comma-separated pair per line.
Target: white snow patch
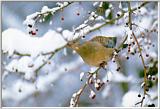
x,y
107,12
131,98
14,40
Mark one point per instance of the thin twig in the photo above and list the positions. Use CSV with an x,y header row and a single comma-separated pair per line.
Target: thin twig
x,y
48,12
142,5
145,71
130,16
85,85
140,51
106,22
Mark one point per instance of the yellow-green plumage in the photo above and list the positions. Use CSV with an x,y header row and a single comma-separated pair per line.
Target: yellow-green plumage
x,y
94,52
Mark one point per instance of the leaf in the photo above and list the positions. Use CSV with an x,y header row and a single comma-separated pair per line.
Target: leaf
x,y
48,17
149,84
101,10
124,86
124,46
141,73
105,5
110,16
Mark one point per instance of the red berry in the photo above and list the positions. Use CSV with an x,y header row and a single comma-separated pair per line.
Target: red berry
x,y
127,57
139,95
62,18
147,55
78,13
30,32
29,25
118,69
133,43
33,33
153,45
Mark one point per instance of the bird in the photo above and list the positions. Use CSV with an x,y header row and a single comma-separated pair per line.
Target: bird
x,y
97,51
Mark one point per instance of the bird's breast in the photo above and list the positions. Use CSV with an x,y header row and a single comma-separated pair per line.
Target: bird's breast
x,y
95,54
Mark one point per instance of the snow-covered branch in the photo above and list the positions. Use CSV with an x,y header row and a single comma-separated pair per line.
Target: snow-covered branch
x,y
31,58
52,41
45,11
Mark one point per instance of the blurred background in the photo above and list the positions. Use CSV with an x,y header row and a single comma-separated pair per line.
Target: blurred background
x,y
60,79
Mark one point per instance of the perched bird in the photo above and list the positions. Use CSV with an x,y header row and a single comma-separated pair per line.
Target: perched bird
x,y
97,51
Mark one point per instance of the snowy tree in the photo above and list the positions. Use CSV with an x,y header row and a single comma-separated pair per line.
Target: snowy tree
x,y
46,70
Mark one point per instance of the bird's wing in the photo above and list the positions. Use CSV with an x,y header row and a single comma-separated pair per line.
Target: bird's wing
x,y
108,42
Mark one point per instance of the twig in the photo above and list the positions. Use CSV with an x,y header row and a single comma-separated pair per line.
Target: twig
x,y
130,16
106,22
94,29
81,91
145,71
143,4
85,85
56,9
140,51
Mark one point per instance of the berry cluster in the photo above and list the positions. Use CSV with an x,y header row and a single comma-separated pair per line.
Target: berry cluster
x,y
32,30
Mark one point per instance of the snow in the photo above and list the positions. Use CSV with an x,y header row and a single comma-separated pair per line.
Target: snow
x,y
21,65
59,29
79,32
120,5
95,3
45,9
81,75
101,18
30,19
107,12
131,98
94,21
50,23
5,73
93,69
141,11
129,34
14,94
51,41
106,91
145,23
26,65
119,13
68,35
42,83
61,4
117,77
92,94
101,4
81,26
65,51
14,40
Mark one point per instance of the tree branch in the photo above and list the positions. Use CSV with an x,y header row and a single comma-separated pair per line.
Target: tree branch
x,y
93,29
84,86
139,48
145,71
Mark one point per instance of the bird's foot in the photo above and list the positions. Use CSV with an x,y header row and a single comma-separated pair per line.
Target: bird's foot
x,y
103,64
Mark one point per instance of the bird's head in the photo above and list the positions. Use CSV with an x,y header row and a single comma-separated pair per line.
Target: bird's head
x,y
74,45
